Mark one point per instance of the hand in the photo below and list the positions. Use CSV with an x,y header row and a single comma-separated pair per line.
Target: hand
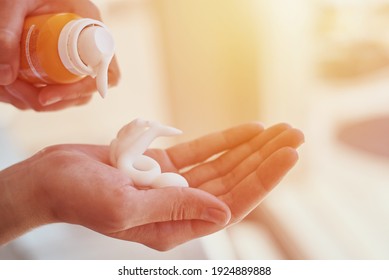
x,y
76,184
251,164
52,97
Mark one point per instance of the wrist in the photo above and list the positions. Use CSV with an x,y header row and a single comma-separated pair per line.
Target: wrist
x,y
21,203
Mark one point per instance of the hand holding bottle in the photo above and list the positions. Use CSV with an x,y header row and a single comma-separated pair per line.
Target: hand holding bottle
x,y
24,95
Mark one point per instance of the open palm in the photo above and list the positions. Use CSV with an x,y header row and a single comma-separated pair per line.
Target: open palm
x,y
229,174
250,162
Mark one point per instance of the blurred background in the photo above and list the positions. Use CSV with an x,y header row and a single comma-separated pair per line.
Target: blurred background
x,y
200,65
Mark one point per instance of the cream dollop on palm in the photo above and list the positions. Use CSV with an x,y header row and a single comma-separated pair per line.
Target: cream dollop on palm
x,y
127,154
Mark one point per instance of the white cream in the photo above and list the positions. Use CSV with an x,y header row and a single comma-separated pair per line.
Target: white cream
x,y
127,154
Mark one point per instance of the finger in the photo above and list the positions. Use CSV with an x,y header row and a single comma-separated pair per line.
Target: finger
x,y
228,161
189,153
52,94
249,193
167,235
221,185
30,95
25,96
83,8
12,16
10,99
172,204
65,104
289,138
86,87
25,92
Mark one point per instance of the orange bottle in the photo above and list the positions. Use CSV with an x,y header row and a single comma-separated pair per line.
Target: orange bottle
x,y
65,48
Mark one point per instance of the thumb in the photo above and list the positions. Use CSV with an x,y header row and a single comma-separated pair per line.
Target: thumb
x,y
175,204
12,15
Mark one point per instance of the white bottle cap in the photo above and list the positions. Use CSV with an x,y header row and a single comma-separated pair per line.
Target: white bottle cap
x,y
86,47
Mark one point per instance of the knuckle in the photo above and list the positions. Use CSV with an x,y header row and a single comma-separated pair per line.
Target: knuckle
x,y
178,211
8,40
116,220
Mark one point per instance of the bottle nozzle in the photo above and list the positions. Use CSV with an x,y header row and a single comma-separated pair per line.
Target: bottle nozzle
x,y
89,50
96,49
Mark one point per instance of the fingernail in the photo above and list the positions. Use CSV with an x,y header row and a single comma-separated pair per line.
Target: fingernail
x,y
6,75
13,90
51,101
216,216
